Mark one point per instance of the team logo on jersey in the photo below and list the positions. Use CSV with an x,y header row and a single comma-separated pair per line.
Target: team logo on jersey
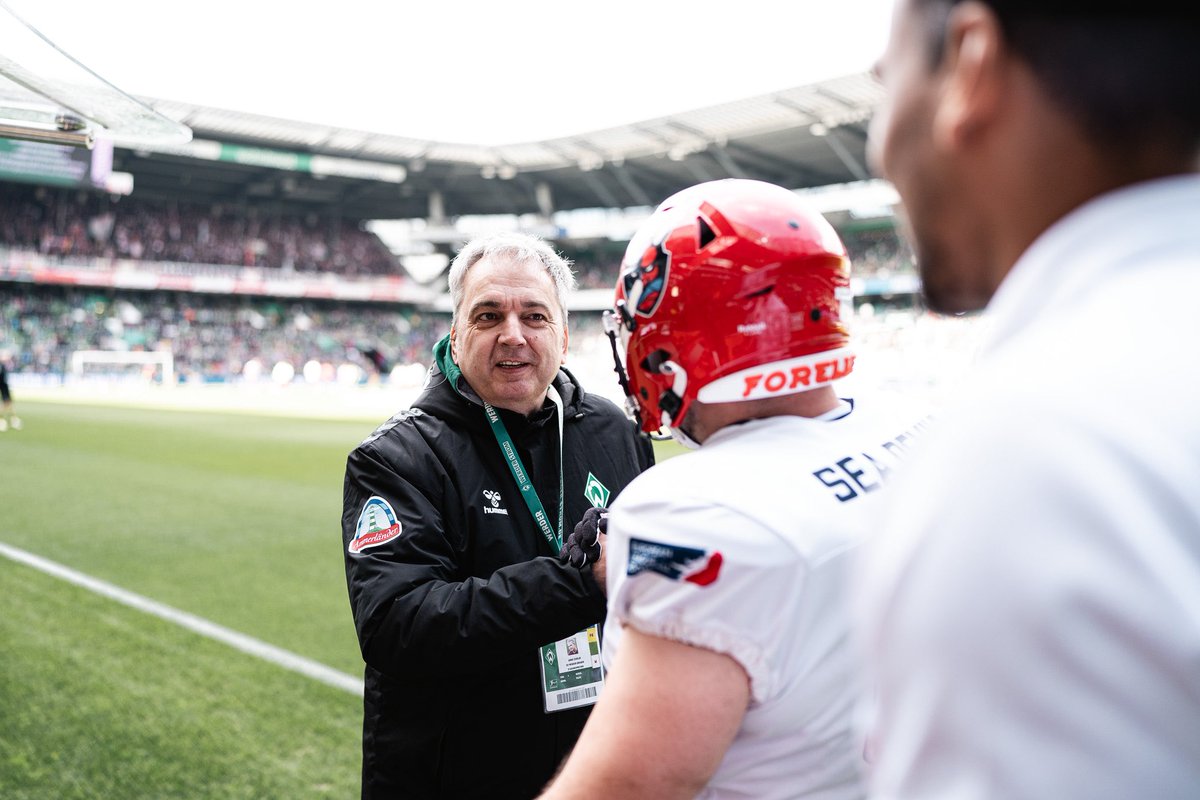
x,y
673,561
646,281
377,524
596,492
493,498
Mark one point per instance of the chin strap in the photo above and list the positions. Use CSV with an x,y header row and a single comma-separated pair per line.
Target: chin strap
x,y
672,400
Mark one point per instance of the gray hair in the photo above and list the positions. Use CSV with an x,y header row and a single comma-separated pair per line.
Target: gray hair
x,y
520,248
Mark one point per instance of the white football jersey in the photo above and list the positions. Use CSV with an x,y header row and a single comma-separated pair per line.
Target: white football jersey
x,y
1030,615
743,547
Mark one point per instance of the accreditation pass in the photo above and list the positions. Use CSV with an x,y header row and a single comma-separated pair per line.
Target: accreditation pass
x,y
572,674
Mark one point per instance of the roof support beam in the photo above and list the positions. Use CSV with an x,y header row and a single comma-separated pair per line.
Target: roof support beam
x,y
857,169
693,165
436,212
766,166
630,185
594,183
722,157
544,197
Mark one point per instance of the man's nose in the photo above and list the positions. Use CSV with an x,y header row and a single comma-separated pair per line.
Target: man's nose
x,y
511,331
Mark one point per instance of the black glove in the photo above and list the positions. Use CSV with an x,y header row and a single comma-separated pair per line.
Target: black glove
x,y
583,545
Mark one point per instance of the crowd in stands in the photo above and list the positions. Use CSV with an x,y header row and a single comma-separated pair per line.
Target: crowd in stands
x,y
77,224
212,337
223,338
877,252
69,223
215,337
595,264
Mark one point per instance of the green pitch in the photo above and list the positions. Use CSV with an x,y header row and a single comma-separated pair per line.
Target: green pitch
x,y
233,518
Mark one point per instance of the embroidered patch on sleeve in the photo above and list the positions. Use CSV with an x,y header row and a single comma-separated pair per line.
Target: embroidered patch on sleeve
x,y
673,561
377,524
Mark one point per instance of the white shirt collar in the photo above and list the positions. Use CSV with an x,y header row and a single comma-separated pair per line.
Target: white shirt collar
x,y
1075,254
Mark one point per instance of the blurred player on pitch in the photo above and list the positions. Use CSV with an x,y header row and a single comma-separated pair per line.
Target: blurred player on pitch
x,y
727,627
8,418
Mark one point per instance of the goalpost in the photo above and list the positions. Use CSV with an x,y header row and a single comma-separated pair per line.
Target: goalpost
x,y
119,362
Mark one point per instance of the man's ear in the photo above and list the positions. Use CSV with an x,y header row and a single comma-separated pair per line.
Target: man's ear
x,y
566,336
453,344
973,80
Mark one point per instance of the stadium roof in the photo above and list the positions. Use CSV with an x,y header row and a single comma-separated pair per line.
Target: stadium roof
x,y
804,137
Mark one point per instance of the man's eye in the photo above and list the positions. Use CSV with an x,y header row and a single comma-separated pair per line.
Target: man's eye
x,y
487,316
536,317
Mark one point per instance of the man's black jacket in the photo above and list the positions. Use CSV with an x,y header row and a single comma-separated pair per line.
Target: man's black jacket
x,y
452,601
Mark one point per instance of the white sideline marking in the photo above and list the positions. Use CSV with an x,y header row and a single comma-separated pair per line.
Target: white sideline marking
x,y
240,641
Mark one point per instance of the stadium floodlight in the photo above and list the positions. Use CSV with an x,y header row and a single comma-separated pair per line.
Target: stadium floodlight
x,y
46,95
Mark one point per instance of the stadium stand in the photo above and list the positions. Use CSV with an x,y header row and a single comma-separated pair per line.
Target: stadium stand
x,y
237,260
50,237
80,224
213,338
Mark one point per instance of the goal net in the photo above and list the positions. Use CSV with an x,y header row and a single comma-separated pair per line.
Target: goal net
x,y
137,366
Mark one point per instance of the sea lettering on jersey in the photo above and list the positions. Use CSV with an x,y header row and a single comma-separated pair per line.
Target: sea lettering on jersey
x,y
861,473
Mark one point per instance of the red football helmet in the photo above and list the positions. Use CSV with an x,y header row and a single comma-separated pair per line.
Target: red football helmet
x,y
732,290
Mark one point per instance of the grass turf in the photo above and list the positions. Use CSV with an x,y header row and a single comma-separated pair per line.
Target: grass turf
x,y
234,518
102,701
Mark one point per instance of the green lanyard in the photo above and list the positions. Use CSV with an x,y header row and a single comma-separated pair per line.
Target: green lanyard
x,y
522,477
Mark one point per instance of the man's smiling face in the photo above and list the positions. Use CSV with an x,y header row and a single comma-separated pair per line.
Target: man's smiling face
x,y
509,336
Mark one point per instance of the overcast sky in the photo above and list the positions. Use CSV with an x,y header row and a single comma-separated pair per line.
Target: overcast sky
x,y
451,70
